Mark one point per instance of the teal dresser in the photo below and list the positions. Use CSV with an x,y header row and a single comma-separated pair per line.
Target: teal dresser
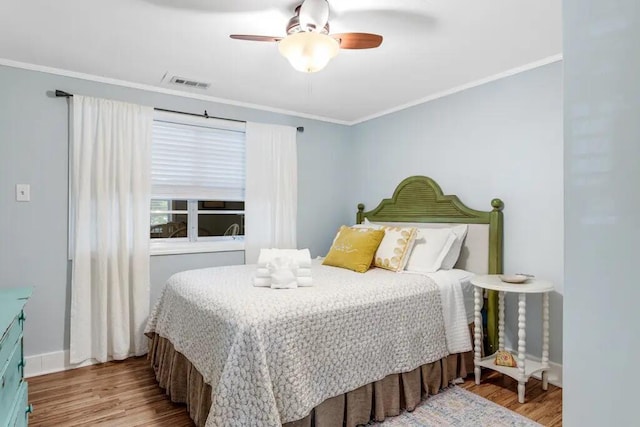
x,y
14,409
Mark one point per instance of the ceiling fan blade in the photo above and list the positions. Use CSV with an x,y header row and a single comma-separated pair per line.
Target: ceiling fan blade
x,y
313,15
255,38
358,40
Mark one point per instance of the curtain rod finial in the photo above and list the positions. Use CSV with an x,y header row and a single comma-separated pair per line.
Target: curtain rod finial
x,y
62,94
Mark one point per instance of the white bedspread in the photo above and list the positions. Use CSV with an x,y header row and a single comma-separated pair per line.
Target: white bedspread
x,y
273,355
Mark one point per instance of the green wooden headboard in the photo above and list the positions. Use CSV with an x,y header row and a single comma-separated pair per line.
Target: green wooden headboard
x,y
419,199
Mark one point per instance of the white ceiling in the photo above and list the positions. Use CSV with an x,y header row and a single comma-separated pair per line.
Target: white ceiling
x,y
429,47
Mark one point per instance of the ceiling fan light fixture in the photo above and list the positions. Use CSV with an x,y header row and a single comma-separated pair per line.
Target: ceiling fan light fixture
x,y
308,51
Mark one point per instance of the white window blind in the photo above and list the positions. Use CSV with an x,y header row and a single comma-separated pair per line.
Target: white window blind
x,y
197,161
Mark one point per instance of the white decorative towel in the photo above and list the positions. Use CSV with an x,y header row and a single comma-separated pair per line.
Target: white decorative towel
x,y
262,278
282,273
303,272
270,261
304,277
262,282
263,272
304,282
284,280
302,257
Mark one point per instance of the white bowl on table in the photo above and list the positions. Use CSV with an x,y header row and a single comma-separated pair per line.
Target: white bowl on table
x,y
515,278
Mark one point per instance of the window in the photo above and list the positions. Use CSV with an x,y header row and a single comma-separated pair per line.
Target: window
x,y
198,178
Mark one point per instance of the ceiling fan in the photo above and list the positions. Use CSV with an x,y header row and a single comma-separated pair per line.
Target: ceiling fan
x,y
308,44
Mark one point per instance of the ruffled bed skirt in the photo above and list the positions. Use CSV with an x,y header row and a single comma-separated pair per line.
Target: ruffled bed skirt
x,y
375,401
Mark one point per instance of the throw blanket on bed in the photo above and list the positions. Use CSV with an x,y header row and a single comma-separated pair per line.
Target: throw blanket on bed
x,y
271,357
453,310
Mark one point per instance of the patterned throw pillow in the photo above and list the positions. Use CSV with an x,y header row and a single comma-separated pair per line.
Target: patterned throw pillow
x,y
394,250
354,248
504,358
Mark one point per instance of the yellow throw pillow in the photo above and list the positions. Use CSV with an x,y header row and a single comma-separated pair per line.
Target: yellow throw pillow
x,y
394,250
354,248
504,358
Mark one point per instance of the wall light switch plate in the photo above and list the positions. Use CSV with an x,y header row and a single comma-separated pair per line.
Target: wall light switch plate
x,y
23,192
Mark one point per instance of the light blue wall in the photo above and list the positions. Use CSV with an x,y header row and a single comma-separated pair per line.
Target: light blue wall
x,y
602,189
33,150
502,139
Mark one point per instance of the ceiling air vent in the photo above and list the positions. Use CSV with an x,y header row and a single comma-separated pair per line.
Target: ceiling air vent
x,y
181,81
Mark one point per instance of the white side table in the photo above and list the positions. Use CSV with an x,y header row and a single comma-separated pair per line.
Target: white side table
x,y
526,367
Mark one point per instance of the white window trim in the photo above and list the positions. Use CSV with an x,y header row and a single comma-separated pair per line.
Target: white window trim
x,y
172,247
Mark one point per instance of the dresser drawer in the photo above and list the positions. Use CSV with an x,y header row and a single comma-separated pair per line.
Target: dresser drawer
x,y
13,389
10,380
9,340
20,413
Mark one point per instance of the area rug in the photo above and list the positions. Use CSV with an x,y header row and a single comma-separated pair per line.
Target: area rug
x,y
457,407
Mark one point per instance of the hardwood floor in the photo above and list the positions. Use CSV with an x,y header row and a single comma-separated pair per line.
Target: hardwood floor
x,y
112,394
544,407
126,394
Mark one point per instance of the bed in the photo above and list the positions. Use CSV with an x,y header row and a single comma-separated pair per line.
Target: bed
x,y
351,349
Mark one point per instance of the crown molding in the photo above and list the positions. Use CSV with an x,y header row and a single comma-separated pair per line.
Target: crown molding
x,y
502,75
150,88
166,91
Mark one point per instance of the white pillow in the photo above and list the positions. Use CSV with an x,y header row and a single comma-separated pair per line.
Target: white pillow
x,y
367,224
429,250
454,253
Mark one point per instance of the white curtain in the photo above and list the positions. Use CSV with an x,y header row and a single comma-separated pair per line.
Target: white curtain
x,y
110,193
271,193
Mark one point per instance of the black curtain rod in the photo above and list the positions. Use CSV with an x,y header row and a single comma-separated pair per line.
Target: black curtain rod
x,y
63,94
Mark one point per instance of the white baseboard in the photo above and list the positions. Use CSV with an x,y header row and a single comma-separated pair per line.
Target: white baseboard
x,y
49,363
555,372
